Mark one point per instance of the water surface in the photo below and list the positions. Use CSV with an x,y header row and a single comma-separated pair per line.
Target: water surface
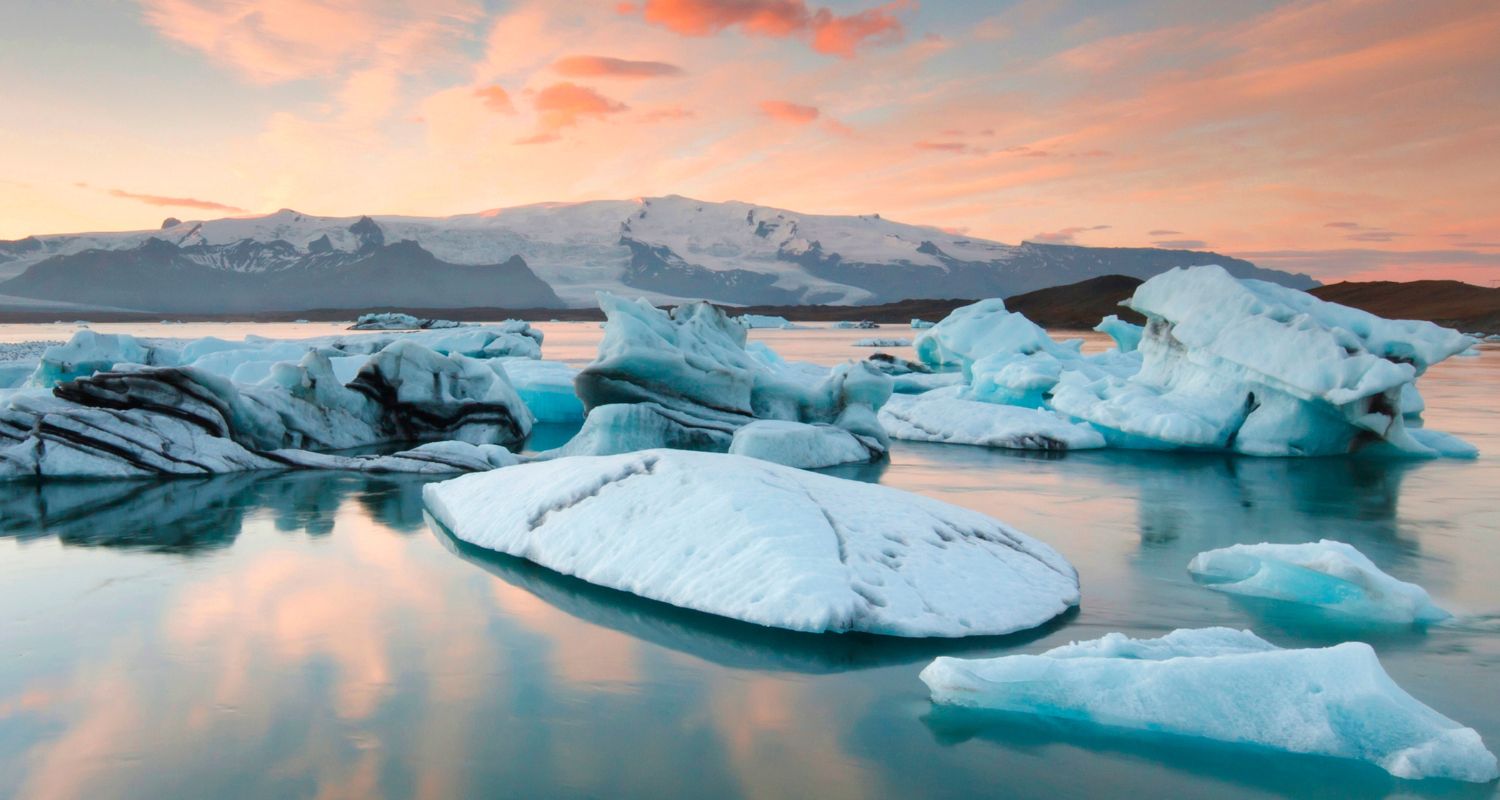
x,y
306,635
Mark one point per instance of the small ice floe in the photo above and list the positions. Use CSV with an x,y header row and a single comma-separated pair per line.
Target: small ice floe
x,y
1228,686
1328,574
387,321
863,324
883,342
802,445
763,543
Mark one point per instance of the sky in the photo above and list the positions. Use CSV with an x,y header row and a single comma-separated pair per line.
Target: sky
x,y
1349,139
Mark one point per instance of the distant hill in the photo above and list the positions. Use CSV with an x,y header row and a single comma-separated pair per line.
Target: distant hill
x,y
1453,304
667,249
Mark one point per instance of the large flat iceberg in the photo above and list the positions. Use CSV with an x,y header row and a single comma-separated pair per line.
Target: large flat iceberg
x,y
763,543
1229,686
1331,575
943,416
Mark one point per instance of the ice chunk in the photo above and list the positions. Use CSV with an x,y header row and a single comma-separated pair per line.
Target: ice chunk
x,y
942,416
1260,369
882,342
138,420
88,352
975,331
401,322
628,427
764,321
763,543
546,387
694,362
798,444
921,324
863,324
1127,335
1231,687
1329,574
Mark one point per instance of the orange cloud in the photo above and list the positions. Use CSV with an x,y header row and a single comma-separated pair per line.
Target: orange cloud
x,y
606,67
784,111
827,32
496,98
176,202
563,105
1066,235
951,147
269,41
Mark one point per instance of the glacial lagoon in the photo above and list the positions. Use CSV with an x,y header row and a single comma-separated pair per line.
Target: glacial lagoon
x,y
309,634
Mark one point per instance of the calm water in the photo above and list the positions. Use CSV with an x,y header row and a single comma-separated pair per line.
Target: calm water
x,y
307,635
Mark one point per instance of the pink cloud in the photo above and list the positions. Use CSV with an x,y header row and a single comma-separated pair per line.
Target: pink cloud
x,y
950,147
175,202
495,98
826,31
606,67
784,111
563,105
1066,235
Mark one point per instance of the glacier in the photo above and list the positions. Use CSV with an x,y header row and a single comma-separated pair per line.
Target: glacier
x,y
1230,686
693,366
762,543
1331,575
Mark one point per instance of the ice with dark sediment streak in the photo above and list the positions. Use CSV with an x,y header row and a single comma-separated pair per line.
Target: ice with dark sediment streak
x,y
692,369
1228,686
763,543
142,420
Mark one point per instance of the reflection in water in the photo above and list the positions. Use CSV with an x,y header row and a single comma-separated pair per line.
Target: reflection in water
x,y
306,624
718,640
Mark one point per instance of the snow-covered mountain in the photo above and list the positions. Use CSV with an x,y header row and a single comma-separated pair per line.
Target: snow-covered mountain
x,y
666,248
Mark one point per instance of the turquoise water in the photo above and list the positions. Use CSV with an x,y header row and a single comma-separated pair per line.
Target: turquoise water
x,y
308,635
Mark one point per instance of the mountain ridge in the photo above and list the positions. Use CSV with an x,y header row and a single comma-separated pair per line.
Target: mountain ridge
x,y
668,249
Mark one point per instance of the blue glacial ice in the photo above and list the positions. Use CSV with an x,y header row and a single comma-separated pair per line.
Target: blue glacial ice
x,y
1229,686
1328,574
693,370
803,445
763,543
942,415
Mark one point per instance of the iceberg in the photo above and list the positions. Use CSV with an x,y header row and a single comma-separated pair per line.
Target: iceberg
x,y
1229,686
1328,574
942,416
1256,368
387,321
921,324
139,421
546,387
882,342
1127,335
764,321
798,444
863,324
694,363
762,543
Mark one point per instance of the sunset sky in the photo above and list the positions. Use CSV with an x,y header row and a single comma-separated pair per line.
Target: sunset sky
x,y
1346,139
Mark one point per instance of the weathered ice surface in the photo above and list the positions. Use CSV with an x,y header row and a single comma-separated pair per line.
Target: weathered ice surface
x,y
391,321
798,444
763,543
1331,575
693,363
1260,369
1230,686
139,420
942,416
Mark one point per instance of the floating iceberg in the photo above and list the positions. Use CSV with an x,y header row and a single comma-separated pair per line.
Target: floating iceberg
x,y
546,387
764,321
882,342
942,416
694,363
401,322
1229,686
798,444
763,543
1257,368
1127,335
1329,574
921,324
138,420
863,324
